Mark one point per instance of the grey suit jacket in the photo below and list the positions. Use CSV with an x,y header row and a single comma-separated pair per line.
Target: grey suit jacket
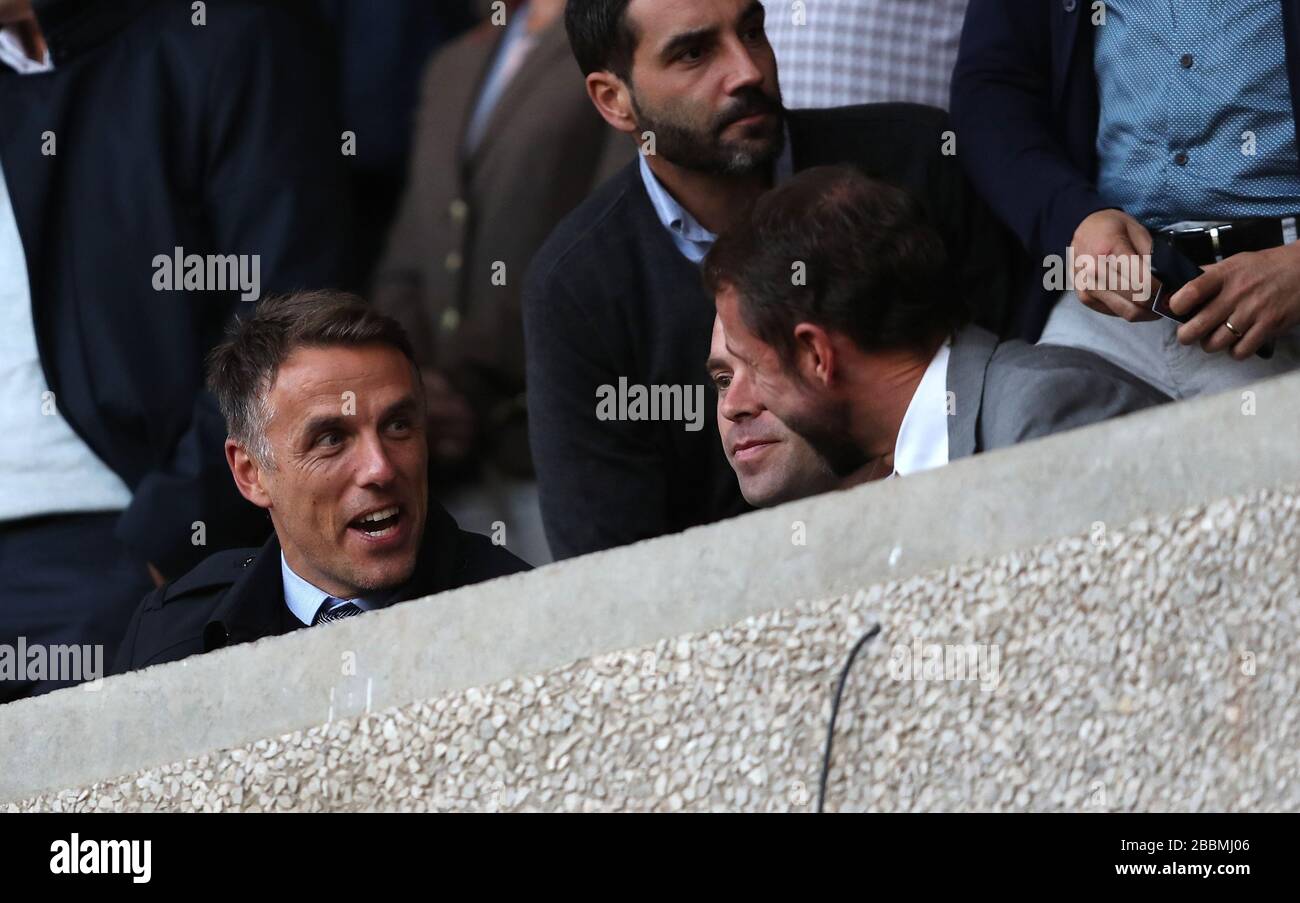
x,y
1009,392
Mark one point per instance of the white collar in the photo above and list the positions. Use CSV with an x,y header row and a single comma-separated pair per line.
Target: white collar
x,y
923,437
13,55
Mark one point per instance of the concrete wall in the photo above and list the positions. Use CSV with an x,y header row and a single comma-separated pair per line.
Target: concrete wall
x,y
1137,582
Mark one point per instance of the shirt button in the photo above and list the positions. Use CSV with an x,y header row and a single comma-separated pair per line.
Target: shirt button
x,y
1180,158
454,262
1069,5
459,210
450,321
1186,60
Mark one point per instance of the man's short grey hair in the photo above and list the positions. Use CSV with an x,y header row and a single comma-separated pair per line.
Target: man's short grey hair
x,y
242,369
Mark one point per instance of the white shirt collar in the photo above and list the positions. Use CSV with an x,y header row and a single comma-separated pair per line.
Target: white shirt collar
x,y
923,437
13,55
304,600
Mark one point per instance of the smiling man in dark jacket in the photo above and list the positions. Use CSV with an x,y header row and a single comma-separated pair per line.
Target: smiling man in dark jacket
x,y
136,134
326,418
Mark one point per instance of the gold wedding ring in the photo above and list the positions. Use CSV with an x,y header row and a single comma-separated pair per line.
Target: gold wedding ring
x,y
1232,329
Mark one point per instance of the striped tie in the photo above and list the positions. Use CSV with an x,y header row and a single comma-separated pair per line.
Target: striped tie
x,y
327,614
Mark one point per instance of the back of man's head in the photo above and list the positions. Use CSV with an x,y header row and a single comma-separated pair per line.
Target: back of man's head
x,y
837,249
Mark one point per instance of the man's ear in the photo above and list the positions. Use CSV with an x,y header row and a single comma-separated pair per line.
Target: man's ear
x,y
610,95
814,355
247,473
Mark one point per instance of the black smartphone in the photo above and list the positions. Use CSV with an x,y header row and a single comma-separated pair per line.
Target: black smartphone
x,y
1174,270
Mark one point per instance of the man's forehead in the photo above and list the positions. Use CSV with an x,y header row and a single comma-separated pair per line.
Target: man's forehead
x,y
656,21
321,376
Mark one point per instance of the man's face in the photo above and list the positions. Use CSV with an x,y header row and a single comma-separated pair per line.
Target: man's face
x,y
772,463
704,81
346,432
804,405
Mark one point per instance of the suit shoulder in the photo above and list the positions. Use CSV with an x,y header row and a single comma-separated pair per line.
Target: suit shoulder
x,y
217,571
1052,365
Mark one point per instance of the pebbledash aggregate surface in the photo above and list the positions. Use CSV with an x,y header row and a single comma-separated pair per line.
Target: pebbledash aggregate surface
x,y
1148,667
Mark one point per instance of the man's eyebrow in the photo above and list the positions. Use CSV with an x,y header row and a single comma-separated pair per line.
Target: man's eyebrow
x,y
404,405
320,423
754,9
736,354
686,39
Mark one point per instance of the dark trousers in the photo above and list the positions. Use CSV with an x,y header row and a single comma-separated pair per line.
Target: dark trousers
x,y
64,580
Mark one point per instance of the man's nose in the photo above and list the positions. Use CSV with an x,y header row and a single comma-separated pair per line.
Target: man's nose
x,y
743,71
738,402
376,464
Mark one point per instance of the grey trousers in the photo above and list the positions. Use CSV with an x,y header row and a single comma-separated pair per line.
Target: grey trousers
x,y
1151,351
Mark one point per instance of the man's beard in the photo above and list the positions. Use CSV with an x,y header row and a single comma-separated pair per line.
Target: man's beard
x,y
681,142
826,428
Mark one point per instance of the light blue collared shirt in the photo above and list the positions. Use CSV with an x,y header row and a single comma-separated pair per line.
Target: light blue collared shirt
x,y
305,600
691,238
1196,116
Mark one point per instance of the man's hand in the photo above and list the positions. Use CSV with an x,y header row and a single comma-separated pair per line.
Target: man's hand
x,y
155,575
451,419
1113,233
1258,291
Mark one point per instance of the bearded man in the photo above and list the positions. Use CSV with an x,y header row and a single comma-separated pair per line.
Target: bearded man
x,y
615,296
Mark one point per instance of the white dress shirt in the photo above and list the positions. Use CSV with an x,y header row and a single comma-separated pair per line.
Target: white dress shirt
x,y
923,437
15,57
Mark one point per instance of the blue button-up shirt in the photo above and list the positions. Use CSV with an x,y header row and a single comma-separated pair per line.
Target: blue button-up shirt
x,y
1188,89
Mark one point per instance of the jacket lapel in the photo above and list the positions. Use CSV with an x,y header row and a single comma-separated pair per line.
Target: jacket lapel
x,y
253,606
541,63
968,361
1065,32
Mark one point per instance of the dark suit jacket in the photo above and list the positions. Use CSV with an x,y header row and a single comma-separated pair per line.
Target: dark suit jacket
x,y
610,296
237,596
220,139
1025,108
1010,392
462,215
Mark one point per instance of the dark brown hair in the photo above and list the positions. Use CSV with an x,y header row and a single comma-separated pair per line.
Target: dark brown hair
x,y
600,36
846,252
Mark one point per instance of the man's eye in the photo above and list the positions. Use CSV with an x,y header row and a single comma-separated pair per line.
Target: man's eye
x,y
722,381
330,440
755,34
401,425
692,55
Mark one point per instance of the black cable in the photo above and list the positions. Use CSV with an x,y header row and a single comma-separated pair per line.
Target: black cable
x,y
835,710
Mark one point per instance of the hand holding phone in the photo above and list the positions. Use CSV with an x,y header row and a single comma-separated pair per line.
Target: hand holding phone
x,y
1173,269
